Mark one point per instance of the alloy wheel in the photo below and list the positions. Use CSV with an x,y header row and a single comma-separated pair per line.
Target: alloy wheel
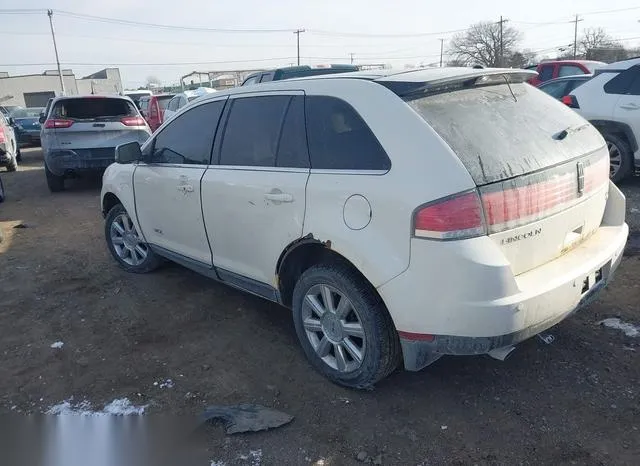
x,y
333,328
615,159
126,241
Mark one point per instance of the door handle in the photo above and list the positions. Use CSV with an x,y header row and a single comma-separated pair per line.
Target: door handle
x,y
630,106
278,196
185,188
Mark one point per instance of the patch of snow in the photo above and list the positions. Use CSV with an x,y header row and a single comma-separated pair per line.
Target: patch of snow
x,y
254,457
217,463
629,330
57,345
164,383
118,407
634,210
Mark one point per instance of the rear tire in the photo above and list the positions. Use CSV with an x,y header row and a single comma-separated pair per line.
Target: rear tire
x,y
621,157
55,182
1,191
19,155
330,342
125,244
12,165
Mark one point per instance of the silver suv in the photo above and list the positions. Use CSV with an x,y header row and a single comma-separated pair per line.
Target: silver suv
x,y
80,134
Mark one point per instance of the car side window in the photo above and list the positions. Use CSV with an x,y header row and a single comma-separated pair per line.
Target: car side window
x,y
634,89
339,139
555,89
546,73
251,80
292,149
188,138
622,82
570,70
173,104
253,130
181,102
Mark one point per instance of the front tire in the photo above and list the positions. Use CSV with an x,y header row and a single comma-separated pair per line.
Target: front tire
x,y
19,155
344,327
620,157
126,245
54,182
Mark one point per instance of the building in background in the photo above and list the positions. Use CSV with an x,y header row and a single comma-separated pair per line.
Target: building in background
x,y
34,90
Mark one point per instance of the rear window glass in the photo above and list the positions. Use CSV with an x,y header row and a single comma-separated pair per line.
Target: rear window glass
x,y
497,136
164,101
93,108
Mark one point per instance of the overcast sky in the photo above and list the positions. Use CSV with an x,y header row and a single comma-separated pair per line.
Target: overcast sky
x,y
335,28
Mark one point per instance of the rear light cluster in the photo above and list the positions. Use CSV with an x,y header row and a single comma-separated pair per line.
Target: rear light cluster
x,y
509,204
53,123
570,101
3,137
133,121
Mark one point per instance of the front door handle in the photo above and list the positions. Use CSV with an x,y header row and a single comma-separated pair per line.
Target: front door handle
x,y
277,196
185,188
630,106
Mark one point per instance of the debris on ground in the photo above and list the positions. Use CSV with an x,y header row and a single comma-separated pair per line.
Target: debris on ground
x,y
362,456
164,384
21,225
546,338
246,418
57,345
629,330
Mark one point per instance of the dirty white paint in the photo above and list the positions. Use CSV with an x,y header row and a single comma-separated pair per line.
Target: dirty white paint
x,y
57,345
118,407
629,330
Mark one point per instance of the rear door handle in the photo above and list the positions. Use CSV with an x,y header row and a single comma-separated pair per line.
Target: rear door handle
x,y
631,106
275,195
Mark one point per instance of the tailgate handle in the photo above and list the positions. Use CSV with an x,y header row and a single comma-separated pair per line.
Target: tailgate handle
x,y
98,125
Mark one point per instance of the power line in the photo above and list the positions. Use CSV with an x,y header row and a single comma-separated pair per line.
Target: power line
x,y
322,32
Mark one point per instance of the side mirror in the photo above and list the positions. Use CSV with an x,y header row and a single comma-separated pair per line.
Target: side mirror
x,y
128,153
42,118
11,121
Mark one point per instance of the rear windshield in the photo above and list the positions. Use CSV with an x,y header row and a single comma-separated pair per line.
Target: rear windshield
x,y
93,108
498,135
163,101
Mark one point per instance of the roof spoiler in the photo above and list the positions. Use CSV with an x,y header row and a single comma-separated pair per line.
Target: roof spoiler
x,y
474,77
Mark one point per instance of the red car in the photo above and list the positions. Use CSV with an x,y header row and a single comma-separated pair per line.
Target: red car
x,y
559,68
152,109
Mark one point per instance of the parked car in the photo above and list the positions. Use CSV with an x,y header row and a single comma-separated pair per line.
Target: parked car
x,y
9,149
557,69
180,100
611,102
393,212
80,134
7,109
560,87
137,95
296,72
153,107
26,125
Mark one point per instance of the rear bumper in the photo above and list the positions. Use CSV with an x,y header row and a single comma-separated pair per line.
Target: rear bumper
x,y
61,162
468,302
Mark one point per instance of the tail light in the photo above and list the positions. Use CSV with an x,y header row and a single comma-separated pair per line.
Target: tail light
x,y
53,123
456,217
153,112
512,203
3,137
133,121
570,101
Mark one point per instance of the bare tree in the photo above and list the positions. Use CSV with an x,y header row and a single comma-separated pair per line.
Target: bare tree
x,y
596,44
480,45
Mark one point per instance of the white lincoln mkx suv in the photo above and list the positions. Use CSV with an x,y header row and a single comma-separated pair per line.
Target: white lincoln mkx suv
x,y
401,216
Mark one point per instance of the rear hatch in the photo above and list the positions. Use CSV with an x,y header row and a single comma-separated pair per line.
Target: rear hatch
x,y
541,170
96,123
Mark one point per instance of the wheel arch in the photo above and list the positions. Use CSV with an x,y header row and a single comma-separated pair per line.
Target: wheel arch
x,y
616,127
109,201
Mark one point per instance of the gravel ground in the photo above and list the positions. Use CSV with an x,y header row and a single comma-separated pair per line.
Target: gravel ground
x,y
574,401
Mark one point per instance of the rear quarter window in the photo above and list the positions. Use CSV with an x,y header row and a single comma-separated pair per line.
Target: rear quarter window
x,y
498,135
93,108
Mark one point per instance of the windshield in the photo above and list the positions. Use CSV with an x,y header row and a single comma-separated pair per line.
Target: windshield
x,y
93,108
27,112
498,135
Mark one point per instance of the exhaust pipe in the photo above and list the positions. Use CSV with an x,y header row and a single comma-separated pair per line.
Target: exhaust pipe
x,y
501,353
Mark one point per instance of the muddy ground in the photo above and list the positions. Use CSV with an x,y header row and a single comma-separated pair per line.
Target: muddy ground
x,y
575,401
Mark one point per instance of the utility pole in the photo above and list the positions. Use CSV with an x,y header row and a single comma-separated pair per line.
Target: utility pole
x,y
441,50
297,33
55,48
501,58
351,55
575,36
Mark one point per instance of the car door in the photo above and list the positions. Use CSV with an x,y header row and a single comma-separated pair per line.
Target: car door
x,y
627,108
254,198
167,185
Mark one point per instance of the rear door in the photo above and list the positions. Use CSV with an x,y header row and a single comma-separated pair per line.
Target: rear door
x,y
627,108
541,169
254,199
167,186
87,123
